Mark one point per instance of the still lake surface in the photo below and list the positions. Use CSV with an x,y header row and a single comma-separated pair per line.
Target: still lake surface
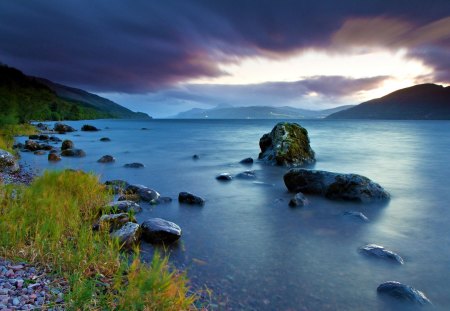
x,y
255,252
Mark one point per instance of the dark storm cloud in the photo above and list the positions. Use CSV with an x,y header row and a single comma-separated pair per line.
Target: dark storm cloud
x,y
140,46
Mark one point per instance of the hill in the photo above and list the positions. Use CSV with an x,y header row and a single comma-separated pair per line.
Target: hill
x,y
256,112
24,98
419,102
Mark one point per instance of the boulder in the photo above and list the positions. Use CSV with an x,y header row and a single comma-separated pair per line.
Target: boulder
x,y
381,252
117,185
128,235
157,230
53,157
44,137
299,199
46,147
287,145
334,186
18,146
113,222
124,207
67,144
43,127
134,165
145,193
55,139
224,177
32,145
63,128
404,292
105,139
89,128
106,159
246,175
8,163
33,137
246,161
189,198
77,153
356,215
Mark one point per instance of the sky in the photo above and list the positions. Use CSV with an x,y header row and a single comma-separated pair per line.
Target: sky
x,y
163,57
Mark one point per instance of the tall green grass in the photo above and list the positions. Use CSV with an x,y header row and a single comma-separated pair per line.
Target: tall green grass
x,y
8,132
50,223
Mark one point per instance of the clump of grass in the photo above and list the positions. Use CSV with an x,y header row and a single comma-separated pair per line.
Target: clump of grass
x,y
8,132
50,223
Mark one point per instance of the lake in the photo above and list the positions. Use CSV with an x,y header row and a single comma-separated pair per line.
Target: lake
x,y
254,251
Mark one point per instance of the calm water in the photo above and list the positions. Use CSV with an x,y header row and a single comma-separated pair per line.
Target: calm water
x,y
254,251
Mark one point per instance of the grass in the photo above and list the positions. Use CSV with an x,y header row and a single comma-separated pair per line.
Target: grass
x,y
49,223
8,132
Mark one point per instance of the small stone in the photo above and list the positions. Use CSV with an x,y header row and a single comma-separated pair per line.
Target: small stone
x,y
298,200
224,177
16,302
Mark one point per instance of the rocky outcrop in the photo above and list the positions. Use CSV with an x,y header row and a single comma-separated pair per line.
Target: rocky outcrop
x,y
8,163
134,165
381,252
298,200
189,198
157,230
334,186
76,153
125,206
89,128
287,144
106,159
404,292
67,144
128,235
63,128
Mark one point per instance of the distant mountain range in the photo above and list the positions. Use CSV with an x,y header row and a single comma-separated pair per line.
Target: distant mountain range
x,y
419,102
24,98
257,112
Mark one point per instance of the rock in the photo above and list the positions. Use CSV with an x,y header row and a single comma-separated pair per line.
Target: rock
x,y
287,144
129,197
113,222
145,193
8,163
67,144
246,161
89,128
106,159
18,146
224,177
46,147
134,165
77,153
43,127
124,207
189,198
157,230
381,252
163,200
404,292
105,139
55,139
53,157
246,175
33,137
334,186
195,157
63,128
43,137
356,215
128,235
298,200
39,152
144,129
32,145
116,185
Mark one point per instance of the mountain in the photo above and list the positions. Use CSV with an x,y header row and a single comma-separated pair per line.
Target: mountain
x,y
419,102
24,98
257,112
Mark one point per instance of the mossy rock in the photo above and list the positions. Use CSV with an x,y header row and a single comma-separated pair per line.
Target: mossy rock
x,y
286,145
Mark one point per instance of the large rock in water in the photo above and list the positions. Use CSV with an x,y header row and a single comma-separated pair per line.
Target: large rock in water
x,y
157,230
402,291
334,186
62,128
145,193
8,163
287,144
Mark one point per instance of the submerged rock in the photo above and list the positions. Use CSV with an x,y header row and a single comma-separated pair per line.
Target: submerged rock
x,y
334,186
89,128
125,206
246,161
63,128
113,221
134,165
298,200
224,177
287,144
128,235
189,198
8,163
116,185
163,200
46,147
67,144
246,175
381,252
76,153
105,139
106,159
40,152
404,292
157,230
195,157
43,137
55,139
356,215
53,157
